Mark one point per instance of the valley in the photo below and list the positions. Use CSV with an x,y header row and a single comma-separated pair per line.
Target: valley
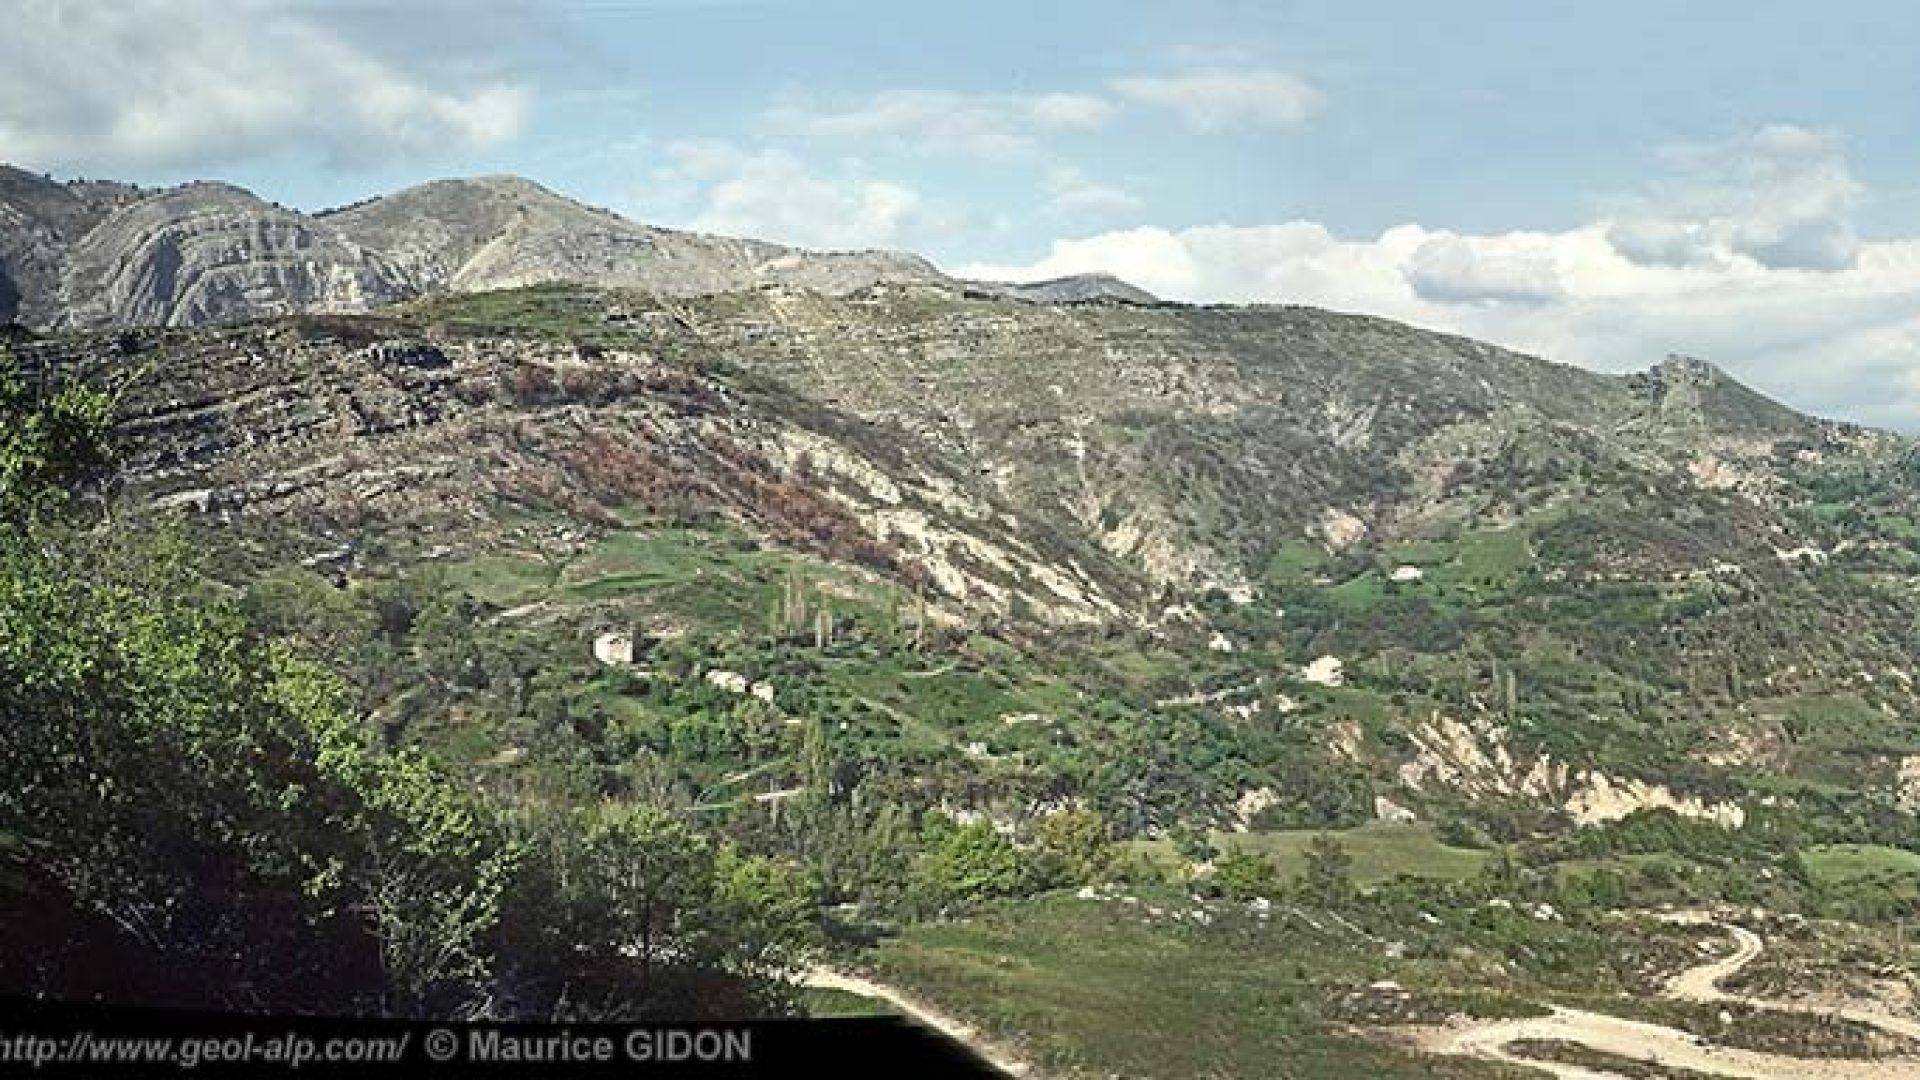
x,y
1156,690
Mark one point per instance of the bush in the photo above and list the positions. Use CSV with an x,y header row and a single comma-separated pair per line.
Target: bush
x,y
1242,875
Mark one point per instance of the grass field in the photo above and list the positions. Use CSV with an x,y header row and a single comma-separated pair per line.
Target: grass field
x,y
1489,559
1086,988
822,1003
1422,553
504,580
1839,863
704,576
1362,593
570,312
1294,564
701,574
1132,983
1477,563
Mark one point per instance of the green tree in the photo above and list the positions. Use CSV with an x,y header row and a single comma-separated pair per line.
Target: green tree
x,y
764,915
1193,844
1075,847
816,760
624,912
966,864
436,863
1501,875
1327,878
48,448
886,848
164,778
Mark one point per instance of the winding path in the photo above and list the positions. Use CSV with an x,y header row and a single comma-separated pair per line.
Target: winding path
x,y
1490,1040
958,1030
1703,984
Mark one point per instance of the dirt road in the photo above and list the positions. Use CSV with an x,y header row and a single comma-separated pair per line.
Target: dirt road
x,y
1489,1040
958,1030
1653,1043
1703,984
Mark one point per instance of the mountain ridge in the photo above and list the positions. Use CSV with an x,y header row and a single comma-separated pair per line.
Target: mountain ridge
x,y
82,254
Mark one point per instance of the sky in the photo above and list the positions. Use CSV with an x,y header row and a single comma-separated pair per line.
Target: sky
x,y
1601,184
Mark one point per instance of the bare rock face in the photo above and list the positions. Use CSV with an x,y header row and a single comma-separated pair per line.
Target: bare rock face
x,y
209,253
87,255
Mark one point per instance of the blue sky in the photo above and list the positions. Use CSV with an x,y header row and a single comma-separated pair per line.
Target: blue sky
x,y
1600,183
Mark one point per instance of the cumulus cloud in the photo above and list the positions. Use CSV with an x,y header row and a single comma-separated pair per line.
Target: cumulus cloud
x,y
164,84
771,194
998,126
1836,337
1453,269
1782,197
1226,100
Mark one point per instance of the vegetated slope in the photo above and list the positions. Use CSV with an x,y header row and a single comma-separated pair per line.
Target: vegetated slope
x,y
1193,441
1573,594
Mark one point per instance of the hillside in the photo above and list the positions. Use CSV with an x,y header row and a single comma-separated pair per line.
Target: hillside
x,y
1537,582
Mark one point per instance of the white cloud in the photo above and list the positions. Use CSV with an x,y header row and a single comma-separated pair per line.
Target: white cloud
x,y
1224,100
770,194
127,85
1072,192
1069,110
1835,337
1453,269
1783,197
996,126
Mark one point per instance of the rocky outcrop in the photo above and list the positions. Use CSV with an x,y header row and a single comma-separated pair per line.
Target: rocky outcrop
x,y
1476,759
1079,288
1907,784
41,220
1598,798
